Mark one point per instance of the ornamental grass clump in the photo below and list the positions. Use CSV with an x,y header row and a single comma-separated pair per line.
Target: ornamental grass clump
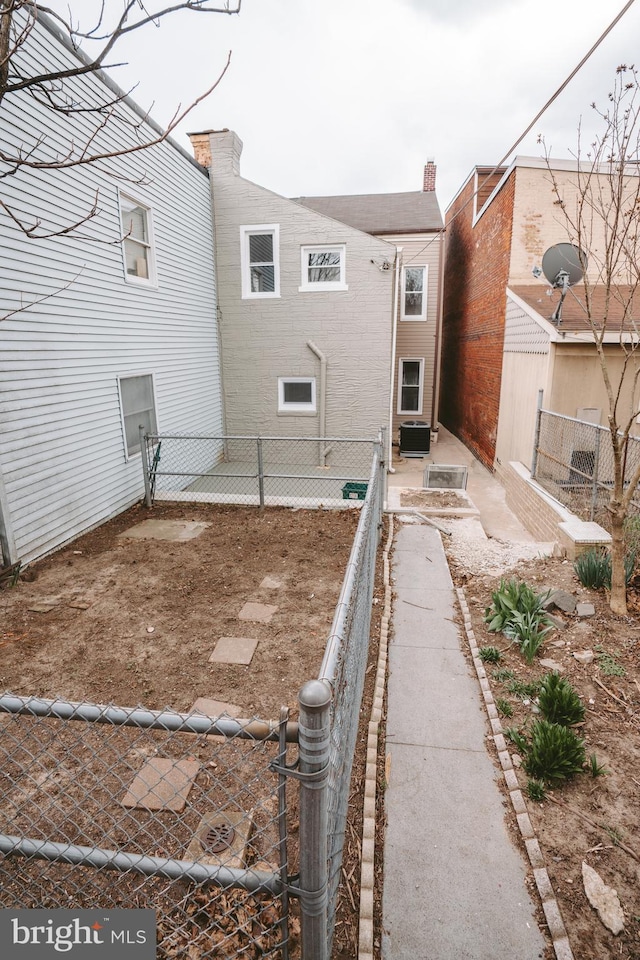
x,y
559,702
518,612
593,568
554,753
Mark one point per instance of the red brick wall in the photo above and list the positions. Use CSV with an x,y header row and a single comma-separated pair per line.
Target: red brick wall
x,y
475,280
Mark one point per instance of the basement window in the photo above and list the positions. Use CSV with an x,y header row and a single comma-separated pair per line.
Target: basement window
x,y
296,395
138,408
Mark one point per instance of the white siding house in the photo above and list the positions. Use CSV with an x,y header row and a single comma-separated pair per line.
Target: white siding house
x,y
102,329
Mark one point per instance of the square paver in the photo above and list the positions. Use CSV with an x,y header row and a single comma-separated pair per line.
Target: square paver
x,y
234,650
271,583
257,612
176,530
162,784
216,708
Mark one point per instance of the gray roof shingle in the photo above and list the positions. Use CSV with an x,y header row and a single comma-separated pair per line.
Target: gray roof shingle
x,y
381,213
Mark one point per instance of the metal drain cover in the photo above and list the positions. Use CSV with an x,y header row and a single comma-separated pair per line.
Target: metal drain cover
x,y
218,838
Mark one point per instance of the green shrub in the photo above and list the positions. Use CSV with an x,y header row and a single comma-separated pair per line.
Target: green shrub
x,y
593,567
517,739
489,654
503,674
559,702
596,769
554,753
513,596
524,691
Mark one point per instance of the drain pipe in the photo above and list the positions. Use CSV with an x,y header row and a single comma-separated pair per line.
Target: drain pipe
x,y
323,401
394,331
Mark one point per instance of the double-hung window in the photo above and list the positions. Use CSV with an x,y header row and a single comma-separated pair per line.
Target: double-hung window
x,y
323,267
414,293
138,406
260,261
410,386
137,241
296,395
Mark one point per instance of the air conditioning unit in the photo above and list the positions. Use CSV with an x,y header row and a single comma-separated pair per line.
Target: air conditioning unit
x,y
415,438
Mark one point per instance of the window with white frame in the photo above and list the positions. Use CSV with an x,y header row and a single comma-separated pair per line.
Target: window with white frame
x,y
323,267
296,395
137,403
137,242
260,261
414,293
410,386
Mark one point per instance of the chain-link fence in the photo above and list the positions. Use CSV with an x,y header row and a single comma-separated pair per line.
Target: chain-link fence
x,y
229,829
573,460
272,471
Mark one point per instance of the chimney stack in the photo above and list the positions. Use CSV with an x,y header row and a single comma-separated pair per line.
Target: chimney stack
x,y
220,149
429,183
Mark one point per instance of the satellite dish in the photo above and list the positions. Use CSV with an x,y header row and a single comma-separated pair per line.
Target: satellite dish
x,y
562,266
563,258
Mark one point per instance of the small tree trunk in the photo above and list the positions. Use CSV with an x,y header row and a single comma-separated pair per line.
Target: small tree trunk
x,y
618,600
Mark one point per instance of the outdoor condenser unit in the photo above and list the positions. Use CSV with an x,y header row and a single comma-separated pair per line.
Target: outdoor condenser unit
x,y
415,438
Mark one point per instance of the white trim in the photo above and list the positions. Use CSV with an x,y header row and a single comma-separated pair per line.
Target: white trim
x,y
309,286
130,376
413,317
402,360
284,407
245,266
152,279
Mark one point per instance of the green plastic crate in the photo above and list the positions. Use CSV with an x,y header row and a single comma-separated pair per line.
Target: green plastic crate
x,y
353,490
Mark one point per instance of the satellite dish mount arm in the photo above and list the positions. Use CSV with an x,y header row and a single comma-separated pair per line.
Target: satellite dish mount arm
x,y
562,281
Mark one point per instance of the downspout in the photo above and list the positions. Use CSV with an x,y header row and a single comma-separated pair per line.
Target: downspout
x,y
323,401
394,332
435,403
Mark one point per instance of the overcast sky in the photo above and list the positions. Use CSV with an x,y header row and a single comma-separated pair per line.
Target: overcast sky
x,y
353,96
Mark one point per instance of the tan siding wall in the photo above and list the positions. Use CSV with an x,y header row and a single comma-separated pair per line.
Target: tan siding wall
x,y
417,339
265,339
523,375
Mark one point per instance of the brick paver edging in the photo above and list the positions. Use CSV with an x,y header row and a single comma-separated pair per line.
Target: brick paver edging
x,y
365,932
550,906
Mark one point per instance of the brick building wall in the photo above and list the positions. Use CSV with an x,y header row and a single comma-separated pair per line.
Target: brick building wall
x,y
476,275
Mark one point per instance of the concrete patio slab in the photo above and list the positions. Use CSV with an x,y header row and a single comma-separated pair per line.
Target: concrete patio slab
x,y
234,650
257,612
175,530
162,784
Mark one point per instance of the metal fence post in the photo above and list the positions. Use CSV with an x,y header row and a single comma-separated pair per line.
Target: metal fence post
x,y
314,732
260,472
145,468
596,470
536,439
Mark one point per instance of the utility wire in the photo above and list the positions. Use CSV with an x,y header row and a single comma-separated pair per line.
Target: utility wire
x,y
551,100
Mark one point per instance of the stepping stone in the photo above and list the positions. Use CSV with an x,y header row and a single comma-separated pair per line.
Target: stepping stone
x,y
257,612
234,650
175,530
44,606
585,610
216,708
162,784
271,583
221,838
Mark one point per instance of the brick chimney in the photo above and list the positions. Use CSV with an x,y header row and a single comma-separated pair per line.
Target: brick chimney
x,y
220,148
429,183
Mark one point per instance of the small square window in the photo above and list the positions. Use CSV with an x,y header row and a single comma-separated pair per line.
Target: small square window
x,y
296,395
414,293
259,259
138,407
137,241
323,268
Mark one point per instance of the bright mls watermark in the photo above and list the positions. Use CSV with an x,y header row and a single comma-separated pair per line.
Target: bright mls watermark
x,y
78,934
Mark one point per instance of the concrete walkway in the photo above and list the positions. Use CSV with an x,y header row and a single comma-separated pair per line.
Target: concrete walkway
x,y
454,882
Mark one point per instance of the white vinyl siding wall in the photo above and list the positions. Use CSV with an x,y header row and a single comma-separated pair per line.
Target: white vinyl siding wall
x,y
62,450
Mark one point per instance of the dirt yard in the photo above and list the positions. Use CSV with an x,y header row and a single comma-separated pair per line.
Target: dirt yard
x,y
591,819
111,619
